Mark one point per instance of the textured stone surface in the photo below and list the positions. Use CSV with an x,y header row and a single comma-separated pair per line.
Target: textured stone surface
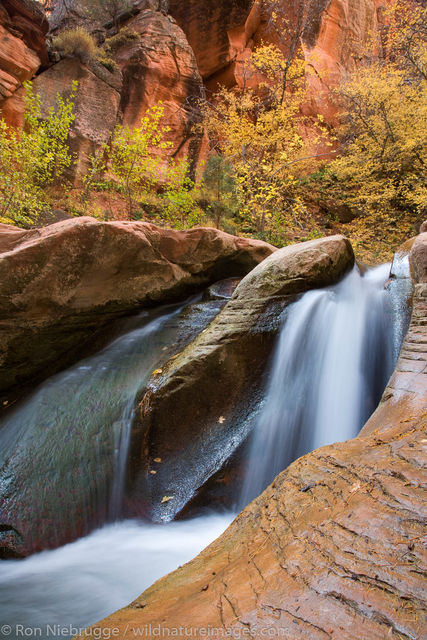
x,y
194,415
160,66
210,27
61,284
96,104
23,27
334,548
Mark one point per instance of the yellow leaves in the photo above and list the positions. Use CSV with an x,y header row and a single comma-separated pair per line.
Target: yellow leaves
x,y
157,459
221,420
166,499
157,372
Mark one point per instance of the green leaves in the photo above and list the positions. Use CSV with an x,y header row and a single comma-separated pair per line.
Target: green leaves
x,y
33,158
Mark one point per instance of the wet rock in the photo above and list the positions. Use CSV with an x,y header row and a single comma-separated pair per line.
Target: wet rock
x,y
62,284
60,470
418,258
199,410
405,397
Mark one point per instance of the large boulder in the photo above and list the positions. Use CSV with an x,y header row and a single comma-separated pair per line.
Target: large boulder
x,y
198,409
332,549
62,284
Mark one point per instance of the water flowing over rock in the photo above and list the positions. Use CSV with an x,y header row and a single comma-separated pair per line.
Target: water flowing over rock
x,y
334,547
405,397
198,410
64,450
324,384
61,285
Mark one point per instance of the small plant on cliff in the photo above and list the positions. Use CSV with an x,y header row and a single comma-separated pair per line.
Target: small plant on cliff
x,y
34,158
124,36
78,43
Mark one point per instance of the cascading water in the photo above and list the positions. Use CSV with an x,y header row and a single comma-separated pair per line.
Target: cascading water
x,y
335,353
85,581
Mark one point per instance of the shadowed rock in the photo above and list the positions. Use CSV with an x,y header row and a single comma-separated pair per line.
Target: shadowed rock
x,y
198,410
61,285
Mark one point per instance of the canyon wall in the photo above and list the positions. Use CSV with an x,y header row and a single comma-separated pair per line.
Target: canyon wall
x,y
181,51
23,27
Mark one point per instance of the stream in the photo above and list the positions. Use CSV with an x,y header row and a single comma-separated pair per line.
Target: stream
x,y
334,355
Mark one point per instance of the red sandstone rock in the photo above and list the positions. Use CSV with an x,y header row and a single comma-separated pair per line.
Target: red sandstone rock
x,y
96,104
160,66
23,27
61,284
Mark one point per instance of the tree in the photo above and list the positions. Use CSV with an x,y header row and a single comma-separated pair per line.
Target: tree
x,y
382,169
134,155
259,133
219,182
33,159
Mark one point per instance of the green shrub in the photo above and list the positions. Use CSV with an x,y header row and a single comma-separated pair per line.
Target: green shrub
x,y
34,158
78,43
124,36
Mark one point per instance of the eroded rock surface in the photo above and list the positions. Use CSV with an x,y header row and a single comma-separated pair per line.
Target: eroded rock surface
x,y
23,27
196,410
62,284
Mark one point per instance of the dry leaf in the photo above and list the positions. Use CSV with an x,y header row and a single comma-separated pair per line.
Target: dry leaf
x,y
153,472
157,459
166,499
221,419
157,372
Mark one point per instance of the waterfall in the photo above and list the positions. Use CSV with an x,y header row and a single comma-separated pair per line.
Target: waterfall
x,y
66,447
87,580
335,354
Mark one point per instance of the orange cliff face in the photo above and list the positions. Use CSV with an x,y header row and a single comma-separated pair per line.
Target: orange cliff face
x,y
182,50
23,27
336,35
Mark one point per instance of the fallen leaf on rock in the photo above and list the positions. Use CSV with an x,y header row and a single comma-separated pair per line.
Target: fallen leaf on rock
x,y
157,372
221,420
157,459
153,472
166,499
